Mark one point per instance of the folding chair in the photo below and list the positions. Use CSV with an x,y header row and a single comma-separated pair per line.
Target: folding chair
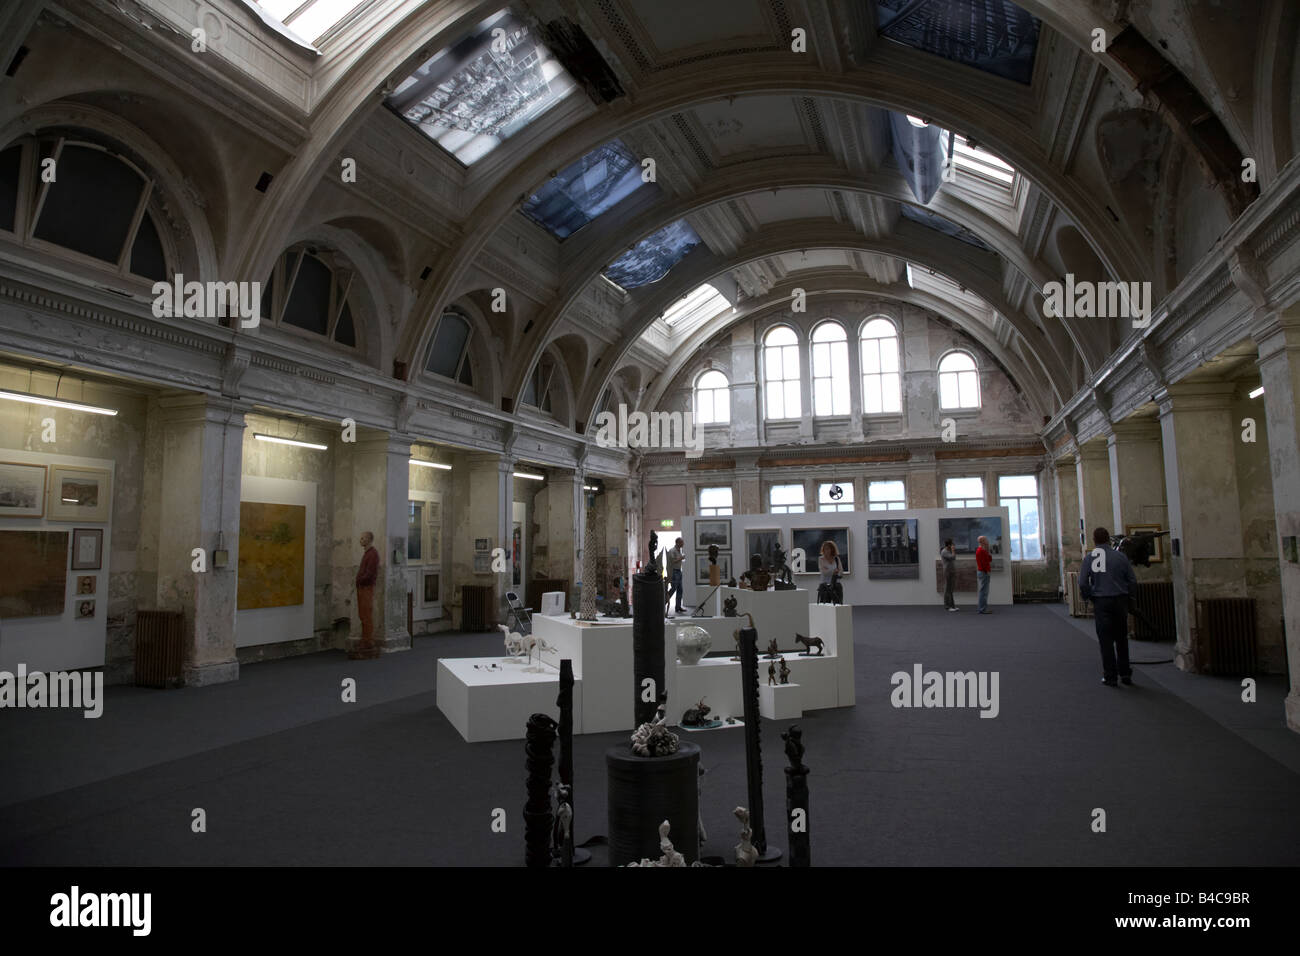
x,y
521,615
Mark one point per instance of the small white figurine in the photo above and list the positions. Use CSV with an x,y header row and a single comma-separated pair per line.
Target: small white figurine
x,y
746,855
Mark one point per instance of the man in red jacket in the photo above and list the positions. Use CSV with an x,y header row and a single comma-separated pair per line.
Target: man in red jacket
x,y
983,566
367,574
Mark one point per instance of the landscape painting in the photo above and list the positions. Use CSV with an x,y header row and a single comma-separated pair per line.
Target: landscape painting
x,y
965,533
79,494
35,580
892,550
22,490
272,554
763,541
810,539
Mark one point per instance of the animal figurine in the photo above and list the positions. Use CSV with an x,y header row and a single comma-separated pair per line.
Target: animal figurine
x,y
697,715
772,652
809,643
729,607
514,641
785,672
771,673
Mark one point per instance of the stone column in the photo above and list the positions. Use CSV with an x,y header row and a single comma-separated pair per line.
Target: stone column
x,y
1197,433
380,478
201,464
1137,484
744,386
1278,337
922,482
1093,468
1067,513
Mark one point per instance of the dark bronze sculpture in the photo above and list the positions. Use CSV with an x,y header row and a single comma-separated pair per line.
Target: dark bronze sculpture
x,y
809,643
785,672
772,652
782,579
696,716
771,673
796,798
539,756
748,638
757,576
648,637
832,593
729,607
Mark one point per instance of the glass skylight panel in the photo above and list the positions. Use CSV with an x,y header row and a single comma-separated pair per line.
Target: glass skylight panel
x,y
704,301
652,258
476,94
585,189
309,19
995,36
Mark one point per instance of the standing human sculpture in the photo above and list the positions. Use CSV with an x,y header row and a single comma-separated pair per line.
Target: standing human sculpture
x,y
367,575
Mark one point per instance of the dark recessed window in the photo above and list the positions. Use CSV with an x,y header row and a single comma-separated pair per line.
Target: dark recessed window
x,y
449,354
311,291
10,163
147,257
91,205
309,302
346,333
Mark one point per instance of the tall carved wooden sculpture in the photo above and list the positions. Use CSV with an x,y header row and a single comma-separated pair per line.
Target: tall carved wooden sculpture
x,y
753,748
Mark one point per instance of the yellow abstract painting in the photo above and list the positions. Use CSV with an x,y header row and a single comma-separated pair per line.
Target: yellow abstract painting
x,y
272,554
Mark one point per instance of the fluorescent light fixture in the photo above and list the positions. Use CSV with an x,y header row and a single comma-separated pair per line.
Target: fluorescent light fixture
x,y
590,488
1257,392
529,475
430,464
290,441
56,403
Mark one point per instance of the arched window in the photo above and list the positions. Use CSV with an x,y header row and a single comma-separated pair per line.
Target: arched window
x,y
881,394
309,290
712,399
830,369
781,373
449,353
540,385
959,381
97,203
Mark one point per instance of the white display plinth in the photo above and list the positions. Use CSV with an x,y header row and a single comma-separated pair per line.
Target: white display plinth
x,y
833,623
779,614
780,701
715,679
721,629
602,662
495,704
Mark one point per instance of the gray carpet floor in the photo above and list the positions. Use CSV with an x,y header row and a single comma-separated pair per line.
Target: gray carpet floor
x,y
288,775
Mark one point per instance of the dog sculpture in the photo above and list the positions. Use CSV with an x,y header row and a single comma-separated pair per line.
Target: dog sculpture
x,y
809,643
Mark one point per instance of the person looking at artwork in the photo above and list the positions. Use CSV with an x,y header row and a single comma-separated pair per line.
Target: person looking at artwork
x,y
983,568
1107,582
675,557
948,554
828,563
367,574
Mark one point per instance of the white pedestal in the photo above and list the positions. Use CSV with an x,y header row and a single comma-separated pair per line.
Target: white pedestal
x,y
833,623
602,663
780,701
496,704
779,614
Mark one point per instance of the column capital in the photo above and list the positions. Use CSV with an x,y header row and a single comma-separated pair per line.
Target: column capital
x,y
199,409
1094,450
1133,430
1275,332
1194,396
384,444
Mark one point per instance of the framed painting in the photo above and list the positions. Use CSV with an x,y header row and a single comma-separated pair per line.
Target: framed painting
x,y
482,564
432,588
702,567
35,579
965,533
892,549
1157,543
85,584
87,549
811,540
85,609
712,531
482,544
272,555
764,542
22,490
80,494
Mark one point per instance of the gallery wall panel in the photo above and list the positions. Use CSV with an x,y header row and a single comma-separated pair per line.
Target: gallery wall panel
x,y
59,628
273,566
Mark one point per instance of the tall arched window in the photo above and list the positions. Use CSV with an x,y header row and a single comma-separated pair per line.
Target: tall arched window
x,y
449,354
881,393
309,289
959,381
830,369
540,385
99,204
712,399
781,373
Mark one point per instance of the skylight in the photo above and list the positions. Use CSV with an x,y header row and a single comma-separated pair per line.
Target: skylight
x,y
702,304
477,93
974,159
652,258
995,36
585,189
309,20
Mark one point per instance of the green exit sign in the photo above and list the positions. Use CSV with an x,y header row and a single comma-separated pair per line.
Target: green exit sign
x,y
666,523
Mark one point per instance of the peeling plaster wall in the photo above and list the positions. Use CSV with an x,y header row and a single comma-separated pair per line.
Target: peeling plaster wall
x,y
1259,537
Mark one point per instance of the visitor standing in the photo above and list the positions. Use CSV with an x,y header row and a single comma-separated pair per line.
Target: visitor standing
x,y
1108,582
949,557
675,557
367,574
983,567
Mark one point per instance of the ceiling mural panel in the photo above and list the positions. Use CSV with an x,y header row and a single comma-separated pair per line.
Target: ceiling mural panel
x,y
585,189
995,36
654,256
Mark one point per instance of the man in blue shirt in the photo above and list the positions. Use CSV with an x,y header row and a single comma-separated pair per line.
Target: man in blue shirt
x,y
1108,581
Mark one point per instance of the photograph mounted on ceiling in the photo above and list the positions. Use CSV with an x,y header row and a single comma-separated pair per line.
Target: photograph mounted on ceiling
x,y
652,258
476,94
585,189
995,36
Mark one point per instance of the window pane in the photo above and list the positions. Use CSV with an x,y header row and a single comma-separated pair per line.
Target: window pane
x,y
722,406
1029,530
890,389
772,364
781,335
881,492
969,390
870,355
448,345
345,333
1010,486
715,497
147,257
414,530
786,495
822,397
90,206
889,355
10,164
948,391
964,488
792,409
309,301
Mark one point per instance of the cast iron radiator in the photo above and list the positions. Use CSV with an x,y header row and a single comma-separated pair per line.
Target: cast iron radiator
x,y
1153,611
476,607
158,648
1226,627
1074,600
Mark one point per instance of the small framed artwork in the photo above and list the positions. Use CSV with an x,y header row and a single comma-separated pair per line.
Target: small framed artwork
x,y
1157,542
22,490
85,609
85,584
702,568
482,544
762,541
432,588
712,531
482,564
79,494
87,549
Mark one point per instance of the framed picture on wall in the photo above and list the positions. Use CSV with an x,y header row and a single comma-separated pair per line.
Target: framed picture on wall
x,y
79,494
1157,543
762,541
85,584
432,588
712,531
87,549
85,609
22,490
810,539
482,544
702,567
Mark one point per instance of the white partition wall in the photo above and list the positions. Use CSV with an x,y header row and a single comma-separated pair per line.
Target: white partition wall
x,y
858,586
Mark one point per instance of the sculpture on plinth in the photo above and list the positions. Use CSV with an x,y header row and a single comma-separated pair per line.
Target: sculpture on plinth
x,y
771,673
670,856
782,579
785,672
796,798
757,577
832,593
729,607
715,573
809,643
587,610
772,652
647,637
653,738
696,716
753,749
